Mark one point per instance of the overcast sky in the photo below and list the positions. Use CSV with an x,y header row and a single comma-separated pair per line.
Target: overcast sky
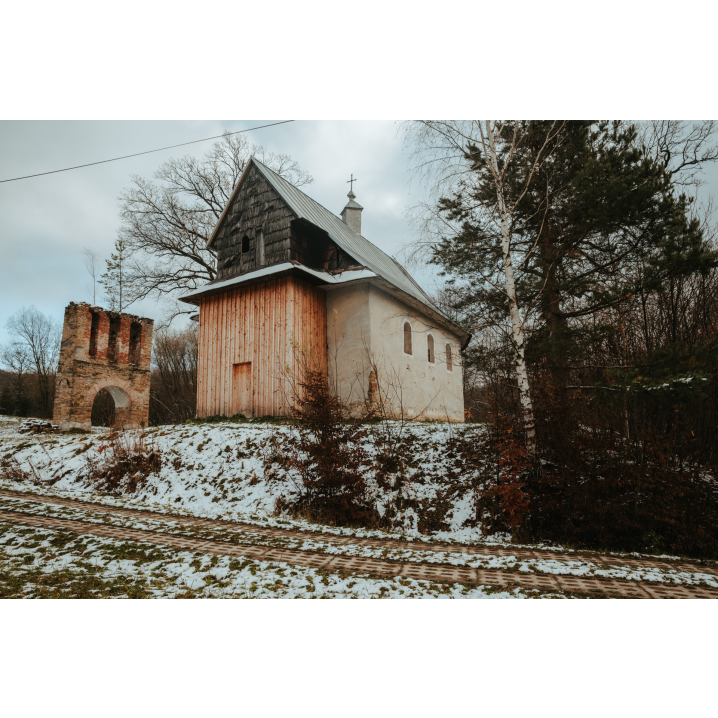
x,y
46,221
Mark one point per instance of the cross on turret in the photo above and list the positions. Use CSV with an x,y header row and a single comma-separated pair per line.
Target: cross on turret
x,y
351,182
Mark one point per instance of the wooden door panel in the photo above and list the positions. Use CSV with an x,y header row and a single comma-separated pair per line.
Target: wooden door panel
x,y
242,389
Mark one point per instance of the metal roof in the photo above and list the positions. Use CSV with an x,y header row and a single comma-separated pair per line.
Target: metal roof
x,y
387,272
362,250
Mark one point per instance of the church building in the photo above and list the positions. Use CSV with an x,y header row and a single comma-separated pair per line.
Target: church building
x,y
294,280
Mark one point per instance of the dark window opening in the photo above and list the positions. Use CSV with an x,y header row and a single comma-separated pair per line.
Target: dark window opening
x,y
430,347
93,333
312,247
135,334
112,343
407,338
245,244
449,365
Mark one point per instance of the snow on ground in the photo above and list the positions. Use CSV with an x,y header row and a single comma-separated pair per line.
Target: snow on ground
x,y
225,471
38,563
583,567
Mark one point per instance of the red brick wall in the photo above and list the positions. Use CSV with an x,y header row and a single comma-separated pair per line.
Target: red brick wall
x,y
80,377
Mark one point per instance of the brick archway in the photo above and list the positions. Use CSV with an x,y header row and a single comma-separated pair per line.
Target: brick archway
x,y
103,350
122,392
122,400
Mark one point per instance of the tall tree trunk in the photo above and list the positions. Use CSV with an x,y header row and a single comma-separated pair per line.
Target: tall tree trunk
x,y
551,310
517,331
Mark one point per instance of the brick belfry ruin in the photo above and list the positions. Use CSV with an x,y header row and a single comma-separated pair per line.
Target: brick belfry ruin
x,y
103,350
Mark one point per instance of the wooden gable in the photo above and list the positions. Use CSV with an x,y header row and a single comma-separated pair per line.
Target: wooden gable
x,y
256,214
259,229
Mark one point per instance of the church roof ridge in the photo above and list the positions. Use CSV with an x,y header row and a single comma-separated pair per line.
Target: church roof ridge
x,y
356,245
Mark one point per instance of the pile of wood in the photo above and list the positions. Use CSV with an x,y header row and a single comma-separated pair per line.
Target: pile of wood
x,y
37,426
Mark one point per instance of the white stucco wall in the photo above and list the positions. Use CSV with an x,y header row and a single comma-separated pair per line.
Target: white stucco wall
x,y
349,341
365,327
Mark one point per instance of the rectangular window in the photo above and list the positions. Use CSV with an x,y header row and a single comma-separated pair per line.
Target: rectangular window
x,y
135,334
93,333
112,343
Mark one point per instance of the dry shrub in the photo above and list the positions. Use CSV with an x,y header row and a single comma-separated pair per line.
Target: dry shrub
x,y
411,482
123,463
10,470
494,467
503,503
326,450
598,489
650,509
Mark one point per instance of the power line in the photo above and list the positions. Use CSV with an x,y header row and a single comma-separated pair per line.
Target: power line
x,y
148,152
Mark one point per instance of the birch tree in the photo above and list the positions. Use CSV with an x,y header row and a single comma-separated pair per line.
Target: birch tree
x,y
469,160
543,225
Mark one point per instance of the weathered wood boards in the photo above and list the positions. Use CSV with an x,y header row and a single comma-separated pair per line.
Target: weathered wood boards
x,y
260,215
259,229
248,342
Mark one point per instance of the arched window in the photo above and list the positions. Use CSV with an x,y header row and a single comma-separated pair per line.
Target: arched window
x,y
245,244
430,347
407,338
449,365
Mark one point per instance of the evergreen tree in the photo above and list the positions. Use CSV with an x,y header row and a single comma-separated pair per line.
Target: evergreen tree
x,y
599,221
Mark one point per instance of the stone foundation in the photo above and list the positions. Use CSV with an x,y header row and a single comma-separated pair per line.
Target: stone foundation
x,y
103,350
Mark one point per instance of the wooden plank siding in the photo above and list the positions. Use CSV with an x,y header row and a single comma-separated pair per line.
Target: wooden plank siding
x,y
258,324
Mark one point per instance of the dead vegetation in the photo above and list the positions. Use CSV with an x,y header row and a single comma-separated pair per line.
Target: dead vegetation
x,y
123,463
365,468
11,470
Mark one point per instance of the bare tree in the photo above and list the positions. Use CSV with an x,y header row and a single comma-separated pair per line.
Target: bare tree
x,y
92,264
173,392
38,337
682,147
16,357
166,223
118,281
